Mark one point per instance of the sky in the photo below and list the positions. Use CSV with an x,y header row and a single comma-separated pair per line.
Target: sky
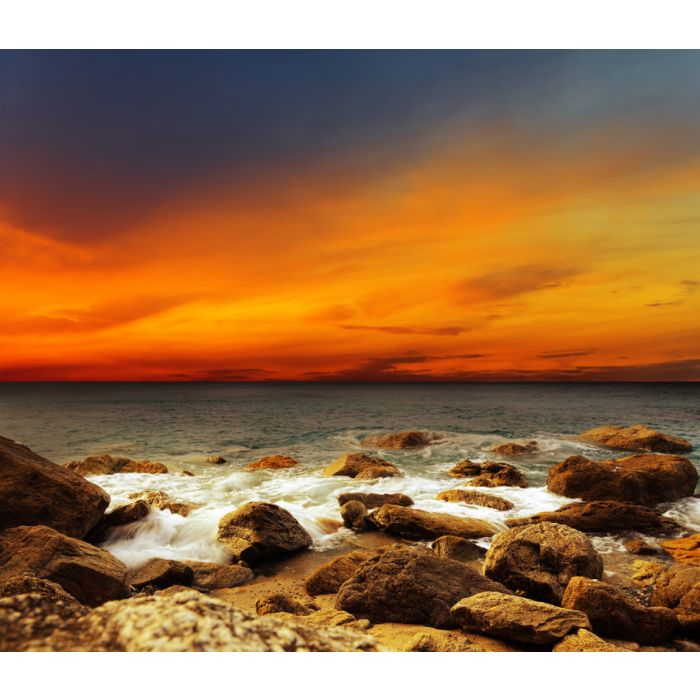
x,y
349,215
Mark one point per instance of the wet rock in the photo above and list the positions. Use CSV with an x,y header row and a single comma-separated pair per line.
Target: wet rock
x,y
415,524
514,449
538,560
374,500
410,585
489,474
517,619
601,516
191,621
637,546
271,462
123,515
614,613
283,603
645,573
450,547
354,515
359,465
162,501
260,530
685,550
678,588
475,498
583,640
185,472
215,459
35,491
161,573
329,577
635,437
465,468
212,576
403,440
89,574
106,464
641,479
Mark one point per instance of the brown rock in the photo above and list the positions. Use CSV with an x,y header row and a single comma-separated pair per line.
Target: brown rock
x,y
637,546
635,437
212,576
259,530
374,500
35,491
679,588
354,515
514,449
28,583
465,468
583,640
281,602
106,464
475,498
614,613
89,574
645,573
329,577
517,619
123,515
685,550
162,501
600,516
638,479
272,462
410,585
414,524
215,459
402,440
489,474
161,573
450,547
538,560
361,466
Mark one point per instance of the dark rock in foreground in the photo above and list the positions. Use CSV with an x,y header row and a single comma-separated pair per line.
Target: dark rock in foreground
x,y
635,437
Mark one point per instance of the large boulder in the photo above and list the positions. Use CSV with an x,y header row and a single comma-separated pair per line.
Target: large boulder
x,y
517,619
374,500
403,440
260,530
106,464
359,465
641,479
192,621
450,547
329,577
35,491
685,549
211,575
475,498
515,449
678,588
583,640
614,613
161,573
635,437
410,585
89,574
600,516
415,524
538,560
271,462
488,474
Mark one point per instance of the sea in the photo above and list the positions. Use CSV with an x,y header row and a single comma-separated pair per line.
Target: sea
x,y
180,424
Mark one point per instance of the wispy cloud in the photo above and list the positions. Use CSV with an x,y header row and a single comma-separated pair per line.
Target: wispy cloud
x,y
406,330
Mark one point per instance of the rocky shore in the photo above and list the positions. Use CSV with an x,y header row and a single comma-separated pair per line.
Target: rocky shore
x,y
409,580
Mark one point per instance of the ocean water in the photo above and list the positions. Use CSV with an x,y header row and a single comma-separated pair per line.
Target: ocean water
x,y
179,424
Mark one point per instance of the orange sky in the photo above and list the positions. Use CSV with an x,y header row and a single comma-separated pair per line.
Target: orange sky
x,y
500,260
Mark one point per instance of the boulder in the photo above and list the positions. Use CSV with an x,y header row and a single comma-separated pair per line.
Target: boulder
x,y
614,613
488,474
28,583
329,577
514,449
583,640
475,498
410,585
465,468
402,440
450,547
685,550
89,574
161,573
641,479
635,437
192,621
361,466
215,459
538,560
374,500
283,603
106,464
123,515
212,576
517,619
600,516
354,515
414,524
258,530
638,546
271,462
35,491
162,501
678,588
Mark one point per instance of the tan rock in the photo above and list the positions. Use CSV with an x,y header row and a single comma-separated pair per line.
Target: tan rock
x,y
514,449
489,474
374,500
272,462
35,491
161,573
475,498
635,437
538,560
405,637
678,588
645,573
641,479
362,466
403,440
215,459
450,547
377,472
517,619
583,640
283,603
106,464
213,576
685,550
162,501
329,577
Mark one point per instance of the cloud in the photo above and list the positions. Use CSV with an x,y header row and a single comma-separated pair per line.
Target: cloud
x,y
555,354
406,330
